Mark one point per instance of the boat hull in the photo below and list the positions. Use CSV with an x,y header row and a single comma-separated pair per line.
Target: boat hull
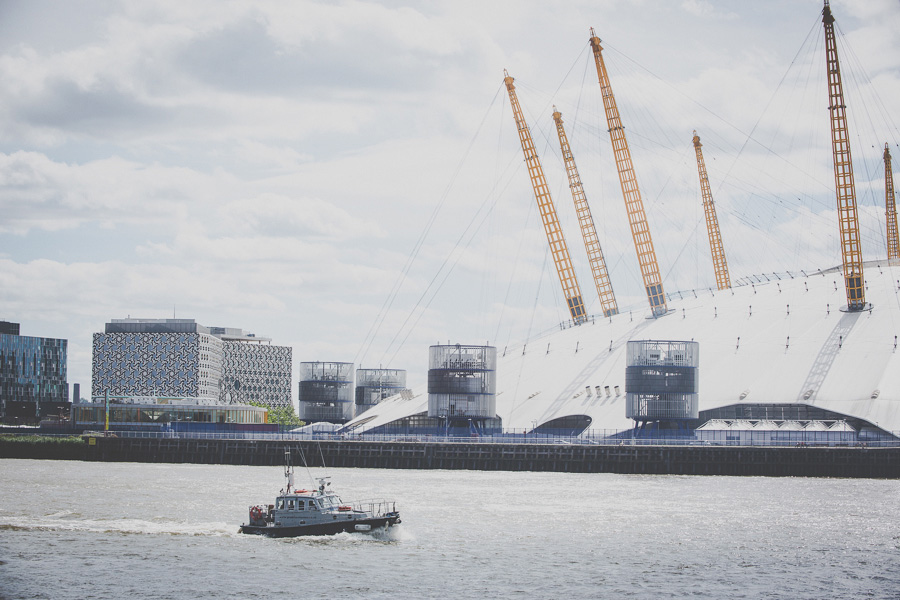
x,y
325,528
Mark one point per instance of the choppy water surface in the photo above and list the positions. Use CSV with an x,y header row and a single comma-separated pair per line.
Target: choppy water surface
x,y
100,530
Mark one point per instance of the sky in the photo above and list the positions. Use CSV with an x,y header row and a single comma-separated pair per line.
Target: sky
x,y
345,178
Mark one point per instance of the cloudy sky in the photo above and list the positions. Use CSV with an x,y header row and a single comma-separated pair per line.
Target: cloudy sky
x,y
345,177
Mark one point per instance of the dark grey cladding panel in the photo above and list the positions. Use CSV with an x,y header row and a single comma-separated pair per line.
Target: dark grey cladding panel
x,y
167,326
661,379
9,328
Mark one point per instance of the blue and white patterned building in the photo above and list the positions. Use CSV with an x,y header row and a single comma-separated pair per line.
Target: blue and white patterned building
x,y
179,358
254,370
156,357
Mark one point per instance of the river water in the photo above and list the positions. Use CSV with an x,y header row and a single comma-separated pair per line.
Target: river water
x,y
110,530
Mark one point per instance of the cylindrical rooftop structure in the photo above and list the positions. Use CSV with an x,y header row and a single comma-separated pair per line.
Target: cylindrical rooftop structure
x,y
662,380
462,382
326,392
374,385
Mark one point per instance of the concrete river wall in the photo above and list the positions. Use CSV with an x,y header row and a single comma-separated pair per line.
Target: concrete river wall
x,y
814,461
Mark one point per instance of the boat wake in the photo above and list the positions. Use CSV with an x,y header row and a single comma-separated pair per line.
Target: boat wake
x,y
390,535
73,522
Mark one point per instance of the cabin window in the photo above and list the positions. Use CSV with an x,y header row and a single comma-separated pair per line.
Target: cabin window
x,y
281,504
291,504
312,504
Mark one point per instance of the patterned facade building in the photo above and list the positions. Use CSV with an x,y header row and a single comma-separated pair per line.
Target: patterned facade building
x,y
256,372
179,358
32,375
150,363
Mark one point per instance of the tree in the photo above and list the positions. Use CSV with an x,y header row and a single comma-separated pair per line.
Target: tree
x,y
281,415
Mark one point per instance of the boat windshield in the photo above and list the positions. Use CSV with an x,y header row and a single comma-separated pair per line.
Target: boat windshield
x,y
330,501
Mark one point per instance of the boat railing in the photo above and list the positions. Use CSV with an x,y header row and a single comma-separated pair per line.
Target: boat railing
x,y
377,506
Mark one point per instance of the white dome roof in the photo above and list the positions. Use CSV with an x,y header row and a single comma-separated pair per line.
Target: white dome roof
x,y
784,340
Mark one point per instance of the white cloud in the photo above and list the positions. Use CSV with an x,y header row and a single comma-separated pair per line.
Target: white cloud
x,y
39,193
704,8
276,215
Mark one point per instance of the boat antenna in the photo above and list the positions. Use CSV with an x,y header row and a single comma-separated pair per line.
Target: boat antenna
x,y
306,465
319,446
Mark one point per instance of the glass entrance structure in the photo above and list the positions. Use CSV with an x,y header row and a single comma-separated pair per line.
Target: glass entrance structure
x,y
326,392
662,380
374,385
143,413
462,382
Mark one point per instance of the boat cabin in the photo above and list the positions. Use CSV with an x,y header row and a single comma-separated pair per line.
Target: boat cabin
x,y
297,503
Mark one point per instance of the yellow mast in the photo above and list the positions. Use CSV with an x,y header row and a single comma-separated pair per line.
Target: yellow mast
x,y
588,231
555,237
723,281
640,230
890,208
845,188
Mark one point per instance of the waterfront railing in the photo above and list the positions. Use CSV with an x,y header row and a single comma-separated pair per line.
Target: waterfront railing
x,y
606,437
603,437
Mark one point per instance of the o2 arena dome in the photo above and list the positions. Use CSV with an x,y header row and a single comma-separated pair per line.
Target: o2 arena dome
x,y
777,347
790,346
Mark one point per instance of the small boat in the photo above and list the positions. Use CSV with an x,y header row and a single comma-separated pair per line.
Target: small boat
x,y
318,511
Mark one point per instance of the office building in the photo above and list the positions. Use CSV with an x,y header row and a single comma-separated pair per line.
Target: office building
x,y
32,376
179,358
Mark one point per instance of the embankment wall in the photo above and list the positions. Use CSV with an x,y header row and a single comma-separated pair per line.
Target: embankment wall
x,y
574,458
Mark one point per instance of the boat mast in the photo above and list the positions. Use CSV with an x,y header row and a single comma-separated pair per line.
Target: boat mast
x,y
288,470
